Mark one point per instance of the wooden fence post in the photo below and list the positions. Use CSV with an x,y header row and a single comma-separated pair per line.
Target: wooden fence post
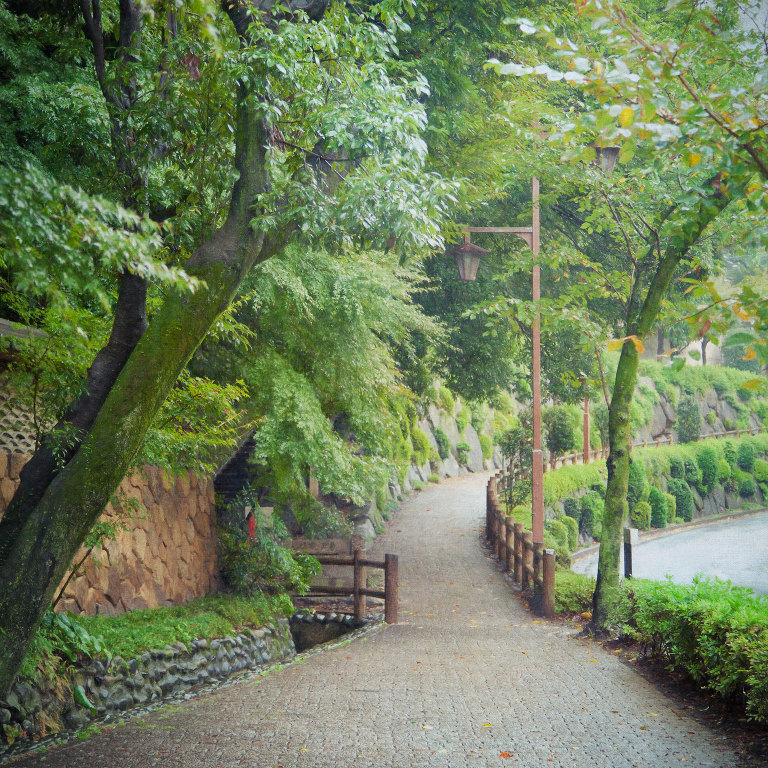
x,y
527,559
359,582
548,585
538,550
509,564
390,589
518,554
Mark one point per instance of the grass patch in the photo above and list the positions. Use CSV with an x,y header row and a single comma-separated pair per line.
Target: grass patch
x,y
131,634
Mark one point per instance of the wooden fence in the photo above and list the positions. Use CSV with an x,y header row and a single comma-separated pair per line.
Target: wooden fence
x,y
530,564
359,589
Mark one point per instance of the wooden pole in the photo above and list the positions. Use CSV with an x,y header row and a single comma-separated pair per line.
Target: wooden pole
x,y
587,431
548,586
390,589
359,582
509,564
537,490
527,560
518,528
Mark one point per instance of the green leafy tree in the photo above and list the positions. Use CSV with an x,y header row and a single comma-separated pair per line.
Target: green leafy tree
x,y
311,138
640,92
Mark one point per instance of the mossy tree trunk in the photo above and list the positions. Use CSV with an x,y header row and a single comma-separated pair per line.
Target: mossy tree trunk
x,y
644,306
53,510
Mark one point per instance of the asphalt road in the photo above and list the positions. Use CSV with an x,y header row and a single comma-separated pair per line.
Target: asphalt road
x,y
736,550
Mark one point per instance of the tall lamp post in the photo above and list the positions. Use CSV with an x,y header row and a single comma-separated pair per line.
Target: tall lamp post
x,y
468,260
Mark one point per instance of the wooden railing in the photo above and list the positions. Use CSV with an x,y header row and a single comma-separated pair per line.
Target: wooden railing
x,y
359,589
530,564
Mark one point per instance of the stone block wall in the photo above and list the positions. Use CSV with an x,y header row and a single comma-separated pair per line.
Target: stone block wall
x,y
166,557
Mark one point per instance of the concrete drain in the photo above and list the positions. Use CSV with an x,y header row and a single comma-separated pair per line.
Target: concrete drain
x,y
311,629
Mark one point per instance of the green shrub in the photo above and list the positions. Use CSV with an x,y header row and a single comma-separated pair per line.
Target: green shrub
x,y
443,443
421,446
572,509
734,483
641,515
671,506
730,451
433,478
462,450
728,424
573,532
463,418
591,512
637,488
559,532
711,418
573,592
745,456
486,446
446,400
747,486
658,507
676,466
688,419
760,470
693,473
723,471
713,631
684,505
706,458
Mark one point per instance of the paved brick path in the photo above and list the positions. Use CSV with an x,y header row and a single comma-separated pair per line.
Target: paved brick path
x,y
467,676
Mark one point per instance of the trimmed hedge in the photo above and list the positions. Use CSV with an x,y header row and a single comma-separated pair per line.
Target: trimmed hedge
x,y
715,632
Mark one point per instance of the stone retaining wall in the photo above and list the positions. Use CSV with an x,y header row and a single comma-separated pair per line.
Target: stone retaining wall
x,y
113,687
168,555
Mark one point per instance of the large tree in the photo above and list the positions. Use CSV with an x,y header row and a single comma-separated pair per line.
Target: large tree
x,y
325,144
692,100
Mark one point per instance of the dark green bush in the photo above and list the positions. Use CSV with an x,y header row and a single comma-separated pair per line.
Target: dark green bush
x,y
676,466
638,483
641,515
747,487
572,508
443,443
658,507
706,458
745,456
693,474
760,470
671,506
683,498
730,451
723,471
573,592
688,419
591,512
559,532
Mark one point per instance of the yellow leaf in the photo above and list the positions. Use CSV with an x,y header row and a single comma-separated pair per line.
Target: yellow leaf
x,y
742,315
752,384
626,117
639,346
615,345
751,354
694,159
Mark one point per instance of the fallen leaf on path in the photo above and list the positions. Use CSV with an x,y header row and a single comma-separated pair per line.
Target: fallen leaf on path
x,y
505,755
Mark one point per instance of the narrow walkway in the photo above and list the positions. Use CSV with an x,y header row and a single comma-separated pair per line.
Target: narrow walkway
x,y
469,678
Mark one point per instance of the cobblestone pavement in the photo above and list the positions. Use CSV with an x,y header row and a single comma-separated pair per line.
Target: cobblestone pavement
x,y
468,678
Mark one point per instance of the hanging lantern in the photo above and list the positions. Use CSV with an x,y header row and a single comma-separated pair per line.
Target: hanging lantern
x,y
605,157
467,258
